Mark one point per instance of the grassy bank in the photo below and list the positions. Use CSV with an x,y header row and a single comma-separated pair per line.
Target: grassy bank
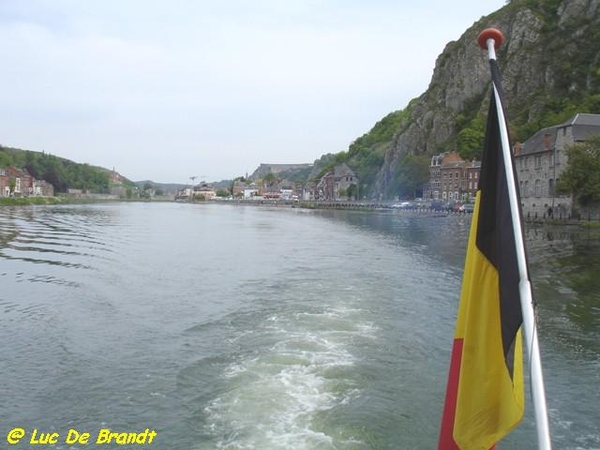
x,y
23,201
67,200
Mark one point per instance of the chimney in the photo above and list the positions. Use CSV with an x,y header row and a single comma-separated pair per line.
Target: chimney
x,y
547,141
517,148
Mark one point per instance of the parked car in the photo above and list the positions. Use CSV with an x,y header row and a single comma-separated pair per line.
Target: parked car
x,y
456,206
403,205
437,205
467,208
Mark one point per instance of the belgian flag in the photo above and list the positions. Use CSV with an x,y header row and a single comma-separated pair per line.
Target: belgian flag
x,y
484,397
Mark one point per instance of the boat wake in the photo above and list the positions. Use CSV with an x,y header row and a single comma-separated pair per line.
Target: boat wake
x,y
287,375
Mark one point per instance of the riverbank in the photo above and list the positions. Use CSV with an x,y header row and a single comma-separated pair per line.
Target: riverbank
x,y
589,218
28,201
72,200
24,201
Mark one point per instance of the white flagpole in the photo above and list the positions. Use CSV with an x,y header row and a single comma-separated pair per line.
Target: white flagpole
x,y
493,38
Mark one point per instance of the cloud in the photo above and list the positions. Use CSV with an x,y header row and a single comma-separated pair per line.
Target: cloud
x,y
221,86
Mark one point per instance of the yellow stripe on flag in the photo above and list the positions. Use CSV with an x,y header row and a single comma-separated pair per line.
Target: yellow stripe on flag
x,y
490,400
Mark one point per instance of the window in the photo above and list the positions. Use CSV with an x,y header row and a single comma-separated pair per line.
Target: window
x,y
538,188
551,187
526,189
538,162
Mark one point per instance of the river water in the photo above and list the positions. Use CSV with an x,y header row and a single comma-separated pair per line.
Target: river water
x,y
232,327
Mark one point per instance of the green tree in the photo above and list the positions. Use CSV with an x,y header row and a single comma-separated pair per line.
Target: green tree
x,y
581,177
32,164
352,191
5,158
269,180
469,141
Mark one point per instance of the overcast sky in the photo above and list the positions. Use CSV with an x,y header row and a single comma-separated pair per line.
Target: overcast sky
x,y
166,90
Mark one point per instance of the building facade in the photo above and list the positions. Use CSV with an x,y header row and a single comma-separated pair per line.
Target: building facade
x,y
341,183
15,182
451,179
541,160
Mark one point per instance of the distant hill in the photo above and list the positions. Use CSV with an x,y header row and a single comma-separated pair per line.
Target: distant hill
x,y
166,188
62,173
291,172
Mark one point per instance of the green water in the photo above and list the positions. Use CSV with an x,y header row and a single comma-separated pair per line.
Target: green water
x,y
255,328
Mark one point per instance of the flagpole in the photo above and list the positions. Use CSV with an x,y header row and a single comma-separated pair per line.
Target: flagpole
x,y
491,38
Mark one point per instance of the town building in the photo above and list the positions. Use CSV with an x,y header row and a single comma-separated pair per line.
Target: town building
x,y
340,183
15,182
204,191
41,188
239,188
306,191
541,160
452,179
471,179
251,190
116,183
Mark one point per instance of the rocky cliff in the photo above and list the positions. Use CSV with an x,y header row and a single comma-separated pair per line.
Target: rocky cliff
x,y
550,63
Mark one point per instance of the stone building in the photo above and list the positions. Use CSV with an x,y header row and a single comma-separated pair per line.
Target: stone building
x,y
541,160
15,182
433,189
341,183
204,191
43,188
471,179
452,180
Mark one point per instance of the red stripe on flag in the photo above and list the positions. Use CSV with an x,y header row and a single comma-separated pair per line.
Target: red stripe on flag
x,y
446,441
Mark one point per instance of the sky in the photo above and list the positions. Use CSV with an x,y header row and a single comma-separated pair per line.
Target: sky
x,y
169,90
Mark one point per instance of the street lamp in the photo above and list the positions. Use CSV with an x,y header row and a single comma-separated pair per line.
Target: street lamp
x,y
192,178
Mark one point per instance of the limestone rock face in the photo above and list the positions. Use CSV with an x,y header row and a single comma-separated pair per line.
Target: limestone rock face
x,y
548,51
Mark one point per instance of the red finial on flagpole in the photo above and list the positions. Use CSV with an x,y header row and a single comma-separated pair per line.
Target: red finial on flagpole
x,y
490,33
